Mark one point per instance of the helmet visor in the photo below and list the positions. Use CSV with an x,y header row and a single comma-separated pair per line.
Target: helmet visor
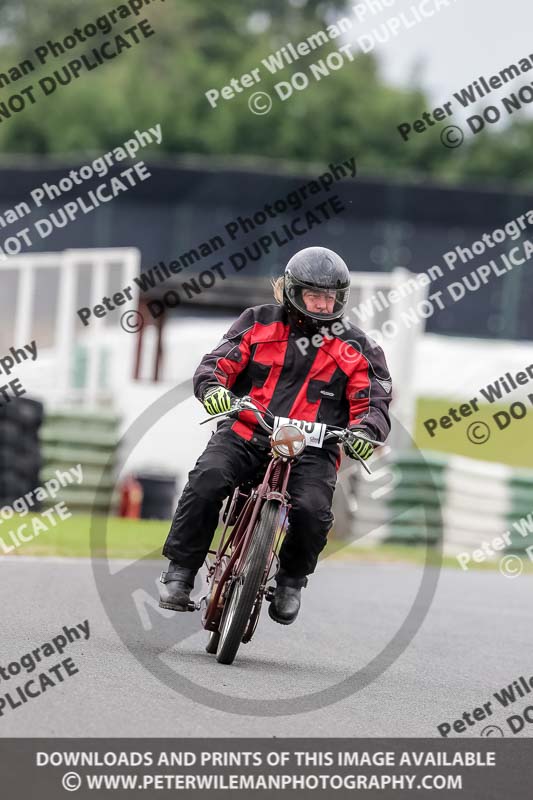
x,y
316,302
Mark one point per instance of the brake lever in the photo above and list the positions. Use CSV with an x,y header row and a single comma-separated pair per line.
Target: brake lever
x,y
368,439
217,416
212,417
358,457
237,408
363,462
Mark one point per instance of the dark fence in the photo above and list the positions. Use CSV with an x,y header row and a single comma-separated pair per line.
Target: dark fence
x,y
383,225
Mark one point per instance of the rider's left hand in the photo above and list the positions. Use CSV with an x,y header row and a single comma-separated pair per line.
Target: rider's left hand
x,y
358,444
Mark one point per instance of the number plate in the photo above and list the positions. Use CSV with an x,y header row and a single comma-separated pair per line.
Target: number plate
x,y
314,432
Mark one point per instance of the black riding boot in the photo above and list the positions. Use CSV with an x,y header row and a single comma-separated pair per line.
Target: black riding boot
x,y
285,605
177,584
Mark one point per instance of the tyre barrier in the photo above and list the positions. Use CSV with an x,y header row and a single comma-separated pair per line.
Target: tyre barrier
x,y
20,448
455,500
73,436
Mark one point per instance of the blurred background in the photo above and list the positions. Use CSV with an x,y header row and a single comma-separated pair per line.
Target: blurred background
x,y
409,204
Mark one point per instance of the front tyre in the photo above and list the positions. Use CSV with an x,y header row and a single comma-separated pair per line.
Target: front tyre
x,y
244,589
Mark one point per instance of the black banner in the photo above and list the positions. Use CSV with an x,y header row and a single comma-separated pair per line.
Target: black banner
x,y
384,768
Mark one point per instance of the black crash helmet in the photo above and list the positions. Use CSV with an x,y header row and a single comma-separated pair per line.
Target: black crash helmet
x,y
320,269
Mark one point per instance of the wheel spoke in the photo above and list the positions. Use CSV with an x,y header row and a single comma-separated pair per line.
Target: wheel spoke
x,y
241,603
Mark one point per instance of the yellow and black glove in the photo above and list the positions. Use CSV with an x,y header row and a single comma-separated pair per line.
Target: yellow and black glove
x,y
358,444
218,400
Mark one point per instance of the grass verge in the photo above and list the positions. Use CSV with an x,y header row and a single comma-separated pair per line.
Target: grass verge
x,y
143,539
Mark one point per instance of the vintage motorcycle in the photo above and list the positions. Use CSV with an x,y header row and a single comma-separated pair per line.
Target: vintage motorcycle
x,y
244,565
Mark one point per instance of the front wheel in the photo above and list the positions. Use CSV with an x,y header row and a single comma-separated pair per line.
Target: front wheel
x,y
244,589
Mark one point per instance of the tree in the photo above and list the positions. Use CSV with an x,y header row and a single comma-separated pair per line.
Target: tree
x,y
201,46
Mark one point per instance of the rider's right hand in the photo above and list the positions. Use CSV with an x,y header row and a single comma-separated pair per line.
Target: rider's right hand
x,y
218,399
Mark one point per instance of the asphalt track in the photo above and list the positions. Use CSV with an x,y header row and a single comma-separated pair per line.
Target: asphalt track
x,y
475,639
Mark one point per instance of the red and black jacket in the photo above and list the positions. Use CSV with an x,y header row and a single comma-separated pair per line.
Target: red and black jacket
x,y
344,381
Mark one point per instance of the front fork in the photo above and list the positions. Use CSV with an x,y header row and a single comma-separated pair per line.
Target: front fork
x,y
272,487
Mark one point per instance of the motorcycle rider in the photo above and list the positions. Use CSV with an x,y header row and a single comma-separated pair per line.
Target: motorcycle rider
x,y
299,360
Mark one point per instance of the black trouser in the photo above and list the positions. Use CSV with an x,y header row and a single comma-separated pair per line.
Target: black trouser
x,y
227,461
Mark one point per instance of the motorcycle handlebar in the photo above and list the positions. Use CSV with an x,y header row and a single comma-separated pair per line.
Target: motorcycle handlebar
x,y
247,403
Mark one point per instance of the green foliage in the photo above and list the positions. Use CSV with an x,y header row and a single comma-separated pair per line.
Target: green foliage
x,y
202,45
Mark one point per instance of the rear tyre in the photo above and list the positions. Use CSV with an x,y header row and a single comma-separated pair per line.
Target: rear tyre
x,y
243,592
